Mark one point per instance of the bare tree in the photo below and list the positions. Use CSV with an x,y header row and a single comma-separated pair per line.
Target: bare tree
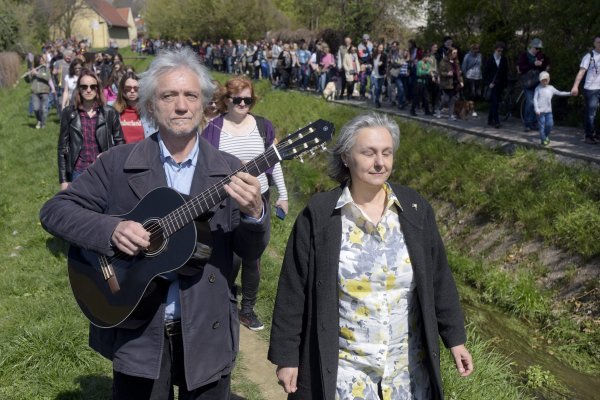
x,y
61,13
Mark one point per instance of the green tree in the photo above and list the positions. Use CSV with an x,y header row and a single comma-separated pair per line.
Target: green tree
x,y
9,27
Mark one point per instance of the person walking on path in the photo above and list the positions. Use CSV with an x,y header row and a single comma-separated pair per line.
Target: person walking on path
x,y
365,291
451,80
542,104
191,340
246,136
87,128
495,77
529,66
590,68
39,76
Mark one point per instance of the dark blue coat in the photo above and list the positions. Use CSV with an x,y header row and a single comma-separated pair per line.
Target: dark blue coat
x,y
113,185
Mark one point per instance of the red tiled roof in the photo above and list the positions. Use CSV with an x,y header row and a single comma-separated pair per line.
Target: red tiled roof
x,y
124,13
108,12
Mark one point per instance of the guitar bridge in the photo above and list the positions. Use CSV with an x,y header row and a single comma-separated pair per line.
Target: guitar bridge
x,y
109,275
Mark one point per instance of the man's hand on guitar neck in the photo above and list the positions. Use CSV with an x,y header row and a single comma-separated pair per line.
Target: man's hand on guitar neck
x,y
130,237
245,190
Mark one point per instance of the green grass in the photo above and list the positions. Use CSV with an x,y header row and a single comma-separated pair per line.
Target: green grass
x,y
43,336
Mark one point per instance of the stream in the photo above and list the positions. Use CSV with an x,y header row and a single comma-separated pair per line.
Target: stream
x,y
515,339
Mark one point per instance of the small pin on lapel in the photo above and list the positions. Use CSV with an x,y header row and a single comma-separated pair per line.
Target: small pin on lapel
x,y
414,205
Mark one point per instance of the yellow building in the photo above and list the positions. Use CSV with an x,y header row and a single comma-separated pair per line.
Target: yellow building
x,y
101,23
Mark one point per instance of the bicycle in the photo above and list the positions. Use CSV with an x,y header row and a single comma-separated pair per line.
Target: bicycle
x,y
509,101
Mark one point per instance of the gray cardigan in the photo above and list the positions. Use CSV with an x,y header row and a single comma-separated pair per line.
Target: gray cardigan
x,y
306,316
84,215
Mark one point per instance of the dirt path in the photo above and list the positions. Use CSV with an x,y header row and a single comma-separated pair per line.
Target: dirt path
x,y
257,368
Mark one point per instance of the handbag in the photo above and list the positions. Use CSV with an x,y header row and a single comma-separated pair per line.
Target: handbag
x,y
530,79
395,72
487,93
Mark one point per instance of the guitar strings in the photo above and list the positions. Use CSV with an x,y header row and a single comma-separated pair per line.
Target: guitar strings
x,y
216,189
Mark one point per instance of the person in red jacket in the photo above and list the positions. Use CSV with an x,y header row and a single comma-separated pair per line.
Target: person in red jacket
x,y
126,106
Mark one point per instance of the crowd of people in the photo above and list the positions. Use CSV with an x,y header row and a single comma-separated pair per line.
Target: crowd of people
x,y
190,337
431,79
360,306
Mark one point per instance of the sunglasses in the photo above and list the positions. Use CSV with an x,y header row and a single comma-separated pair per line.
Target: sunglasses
x,y
130,88
86,87
238,100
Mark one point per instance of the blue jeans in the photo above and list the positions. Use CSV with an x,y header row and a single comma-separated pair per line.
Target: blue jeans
x,y
592,98
304,76
529,112
400,96
546,122
229,64
378,84
39,102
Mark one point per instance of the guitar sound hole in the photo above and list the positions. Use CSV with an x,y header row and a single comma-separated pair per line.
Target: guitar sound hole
x,y
157,238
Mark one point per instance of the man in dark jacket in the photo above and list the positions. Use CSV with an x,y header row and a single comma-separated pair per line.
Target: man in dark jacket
x,y
191,339
529,65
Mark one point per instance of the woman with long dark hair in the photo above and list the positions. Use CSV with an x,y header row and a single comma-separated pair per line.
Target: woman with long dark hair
x,y
126,106
87,128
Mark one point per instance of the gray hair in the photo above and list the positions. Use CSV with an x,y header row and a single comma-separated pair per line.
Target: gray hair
x,y
165,62
347,138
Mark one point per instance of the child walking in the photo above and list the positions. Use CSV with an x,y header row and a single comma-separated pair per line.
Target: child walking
x,y
542,104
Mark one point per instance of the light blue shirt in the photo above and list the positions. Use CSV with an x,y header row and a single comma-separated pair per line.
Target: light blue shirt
x,y
179,177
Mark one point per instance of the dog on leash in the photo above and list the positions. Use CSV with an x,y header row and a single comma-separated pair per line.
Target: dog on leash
x,y
463,109
329,92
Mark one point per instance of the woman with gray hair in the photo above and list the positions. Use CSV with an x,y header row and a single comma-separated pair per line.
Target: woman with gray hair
x,y
365,289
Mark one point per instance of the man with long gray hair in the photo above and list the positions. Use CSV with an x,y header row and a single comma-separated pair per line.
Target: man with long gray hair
x,y
190,339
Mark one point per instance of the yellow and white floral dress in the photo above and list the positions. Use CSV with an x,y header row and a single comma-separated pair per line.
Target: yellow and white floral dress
x,y
381,347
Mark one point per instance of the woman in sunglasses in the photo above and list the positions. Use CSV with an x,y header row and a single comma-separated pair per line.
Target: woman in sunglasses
x,y
87,128
134,129
246,136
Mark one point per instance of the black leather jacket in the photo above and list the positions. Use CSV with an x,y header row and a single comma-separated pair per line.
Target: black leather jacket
x,y
108,134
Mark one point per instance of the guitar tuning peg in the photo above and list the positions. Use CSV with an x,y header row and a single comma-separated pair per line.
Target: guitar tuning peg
x,y
301,160
312,153
323,147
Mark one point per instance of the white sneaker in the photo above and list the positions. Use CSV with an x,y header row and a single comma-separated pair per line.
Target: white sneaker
x,y
39,125
438,114
474,114
452,118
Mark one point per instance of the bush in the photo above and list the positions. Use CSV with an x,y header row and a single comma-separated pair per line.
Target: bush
x,y
10,64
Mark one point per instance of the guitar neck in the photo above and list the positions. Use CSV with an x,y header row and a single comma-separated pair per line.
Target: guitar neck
x,y
206,200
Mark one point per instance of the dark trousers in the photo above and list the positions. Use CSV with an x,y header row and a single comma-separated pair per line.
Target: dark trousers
x,y
420,98
496,95
250,274
127,387
343,79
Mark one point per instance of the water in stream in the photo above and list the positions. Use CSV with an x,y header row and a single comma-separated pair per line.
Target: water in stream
x,y
513,338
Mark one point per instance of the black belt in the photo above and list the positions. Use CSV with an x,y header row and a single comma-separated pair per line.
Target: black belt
x,y
173,328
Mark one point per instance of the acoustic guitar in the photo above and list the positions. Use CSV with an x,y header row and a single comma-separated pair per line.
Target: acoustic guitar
x,y
124,291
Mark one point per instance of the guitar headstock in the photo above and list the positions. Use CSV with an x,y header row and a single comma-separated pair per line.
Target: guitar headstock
x,y
310,139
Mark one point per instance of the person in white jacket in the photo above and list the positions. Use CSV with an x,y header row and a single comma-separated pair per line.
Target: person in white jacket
x,y
542,104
